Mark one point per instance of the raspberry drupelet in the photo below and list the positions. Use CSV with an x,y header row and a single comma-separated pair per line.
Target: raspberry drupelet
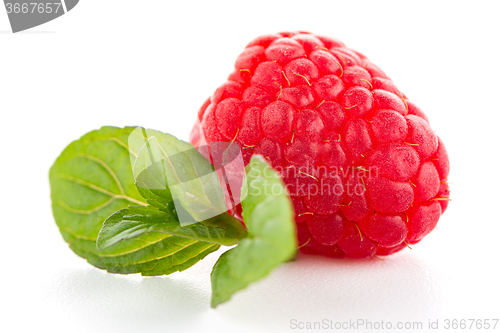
x,y
365,171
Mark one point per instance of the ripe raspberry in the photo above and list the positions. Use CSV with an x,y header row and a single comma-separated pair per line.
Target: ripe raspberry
x,y
366,173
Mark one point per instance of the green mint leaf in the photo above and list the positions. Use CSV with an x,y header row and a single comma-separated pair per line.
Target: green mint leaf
x,y
134,221
156,196
150,179
167,169
271,241
92,179
150,254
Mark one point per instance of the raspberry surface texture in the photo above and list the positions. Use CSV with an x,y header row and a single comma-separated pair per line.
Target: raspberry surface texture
x,y
366,173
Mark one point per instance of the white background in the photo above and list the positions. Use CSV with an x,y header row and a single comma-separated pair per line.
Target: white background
x,y
153,63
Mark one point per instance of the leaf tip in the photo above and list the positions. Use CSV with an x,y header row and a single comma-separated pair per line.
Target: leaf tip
x,y
217,300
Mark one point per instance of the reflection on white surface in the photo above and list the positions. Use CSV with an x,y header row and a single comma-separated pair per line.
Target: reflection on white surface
x,y
91,297
312,288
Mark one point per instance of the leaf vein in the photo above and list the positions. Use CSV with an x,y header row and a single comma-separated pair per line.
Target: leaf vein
x,y
99,189
108,168
163,257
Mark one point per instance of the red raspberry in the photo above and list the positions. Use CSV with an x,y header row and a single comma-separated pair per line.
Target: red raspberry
x,y
366,173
